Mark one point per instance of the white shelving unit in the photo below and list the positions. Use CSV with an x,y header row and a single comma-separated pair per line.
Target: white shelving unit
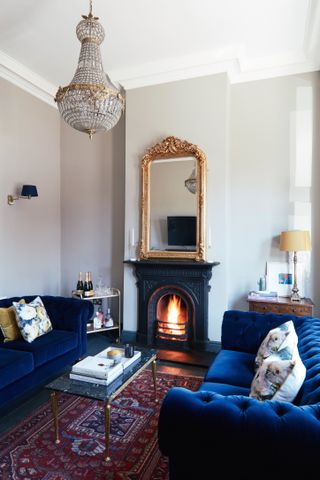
x,y
98,302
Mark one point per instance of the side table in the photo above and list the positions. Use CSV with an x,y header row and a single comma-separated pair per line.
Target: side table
x,y
304,308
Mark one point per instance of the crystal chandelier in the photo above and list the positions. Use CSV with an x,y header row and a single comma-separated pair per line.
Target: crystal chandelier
x,y
191,182
91,102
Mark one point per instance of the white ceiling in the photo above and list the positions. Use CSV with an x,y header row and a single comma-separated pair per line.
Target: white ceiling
x,y
150,42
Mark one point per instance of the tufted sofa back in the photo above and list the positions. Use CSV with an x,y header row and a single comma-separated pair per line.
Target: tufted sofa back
x,y
242,335
309,348
58,308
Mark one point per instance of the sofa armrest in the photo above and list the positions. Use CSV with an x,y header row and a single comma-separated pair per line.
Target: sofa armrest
x,y
244,331
204,426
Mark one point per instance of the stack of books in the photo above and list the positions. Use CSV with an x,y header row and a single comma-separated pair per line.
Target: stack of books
x,y
96,370
101,370
263,295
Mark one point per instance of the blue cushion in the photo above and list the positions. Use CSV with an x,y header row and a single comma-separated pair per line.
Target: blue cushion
x,y
46,347
234,368
224,389
14,365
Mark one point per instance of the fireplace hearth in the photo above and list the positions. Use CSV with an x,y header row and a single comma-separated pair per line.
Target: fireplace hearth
x,y
173,303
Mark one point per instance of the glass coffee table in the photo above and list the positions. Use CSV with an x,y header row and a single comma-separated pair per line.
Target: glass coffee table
x,y
100,392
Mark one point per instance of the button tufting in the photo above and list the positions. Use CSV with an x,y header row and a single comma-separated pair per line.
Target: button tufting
x,y
280,410
206,397
244,406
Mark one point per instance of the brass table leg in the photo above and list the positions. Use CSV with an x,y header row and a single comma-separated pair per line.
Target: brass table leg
x,y
154,375
107,413
54,408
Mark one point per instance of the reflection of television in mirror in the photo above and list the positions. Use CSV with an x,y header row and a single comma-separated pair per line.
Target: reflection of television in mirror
x,y
182,232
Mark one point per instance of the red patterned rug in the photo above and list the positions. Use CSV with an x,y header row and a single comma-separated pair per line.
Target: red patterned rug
x,y
28,451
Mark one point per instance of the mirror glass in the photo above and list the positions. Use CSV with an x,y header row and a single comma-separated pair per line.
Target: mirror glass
x,y
173,207
173,191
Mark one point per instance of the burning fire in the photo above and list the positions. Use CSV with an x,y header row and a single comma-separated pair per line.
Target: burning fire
x,y
174,309
172,317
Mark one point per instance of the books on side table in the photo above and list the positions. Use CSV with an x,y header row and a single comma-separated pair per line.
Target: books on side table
x,y
100,369
263,295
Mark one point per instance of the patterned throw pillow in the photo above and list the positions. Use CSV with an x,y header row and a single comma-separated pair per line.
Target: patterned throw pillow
x,y
281,340
8,323
278,379
32,319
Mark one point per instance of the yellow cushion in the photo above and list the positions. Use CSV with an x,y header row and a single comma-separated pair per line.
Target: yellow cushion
x,y
8,323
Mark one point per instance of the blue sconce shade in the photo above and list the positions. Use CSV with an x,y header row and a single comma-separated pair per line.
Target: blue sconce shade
x,y
29,191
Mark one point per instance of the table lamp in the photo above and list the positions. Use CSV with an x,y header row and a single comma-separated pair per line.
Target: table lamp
x,y
295,241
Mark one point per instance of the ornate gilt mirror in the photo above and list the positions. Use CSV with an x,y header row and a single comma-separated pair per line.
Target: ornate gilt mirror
x,y
173,201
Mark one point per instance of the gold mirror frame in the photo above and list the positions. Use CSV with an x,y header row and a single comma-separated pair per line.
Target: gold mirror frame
x,y
173,147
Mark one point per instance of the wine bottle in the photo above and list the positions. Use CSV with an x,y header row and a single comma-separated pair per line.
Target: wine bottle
x,y
90,284
79,289
87,291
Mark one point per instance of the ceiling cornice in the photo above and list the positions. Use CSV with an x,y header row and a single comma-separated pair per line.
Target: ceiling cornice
x,y
238,68
26,79
235,63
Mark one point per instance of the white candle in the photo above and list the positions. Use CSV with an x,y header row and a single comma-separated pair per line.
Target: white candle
x,y
131,237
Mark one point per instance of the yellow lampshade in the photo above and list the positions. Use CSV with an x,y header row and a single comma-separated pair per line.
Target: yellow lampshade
x,y
295,241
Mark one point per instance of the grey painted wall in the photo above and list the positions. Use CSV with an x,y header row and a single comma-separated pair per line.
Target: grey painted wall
x,y
260,139
77,221
271,157
92,206
194,110
261,143
30,229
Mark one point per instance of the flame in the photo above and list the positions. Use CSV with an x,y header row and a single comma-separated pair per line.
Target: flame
x,y
174,309
172,317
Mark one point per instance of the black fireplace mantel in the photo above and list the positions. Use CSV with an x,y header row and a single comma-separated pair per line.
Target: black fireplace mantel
x,y
191,276
168,261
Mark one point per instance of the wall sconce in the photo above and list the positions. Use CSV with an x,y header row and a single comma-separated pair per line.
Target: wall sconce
x,y
27,192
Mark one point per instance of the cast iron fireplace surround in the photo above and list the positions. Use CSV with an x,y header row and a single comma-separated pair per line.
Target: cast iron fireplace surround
x,y
186,280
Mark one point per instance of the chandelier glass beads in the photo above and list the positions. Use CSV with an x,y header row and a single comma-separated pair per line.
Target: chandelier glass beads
x,y
91,102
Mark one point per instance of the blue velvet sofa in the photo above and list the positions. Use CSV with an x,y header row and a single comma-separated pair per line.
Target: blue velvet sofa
x,y
24,366
219,427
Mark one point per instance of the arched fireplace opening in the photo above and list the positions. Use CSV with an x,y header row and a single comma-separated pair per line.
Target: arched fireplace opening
x,y
170,318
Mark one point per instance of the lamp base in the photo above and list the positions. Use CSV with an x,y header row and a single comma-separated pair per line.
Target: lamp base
x,y
295,297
